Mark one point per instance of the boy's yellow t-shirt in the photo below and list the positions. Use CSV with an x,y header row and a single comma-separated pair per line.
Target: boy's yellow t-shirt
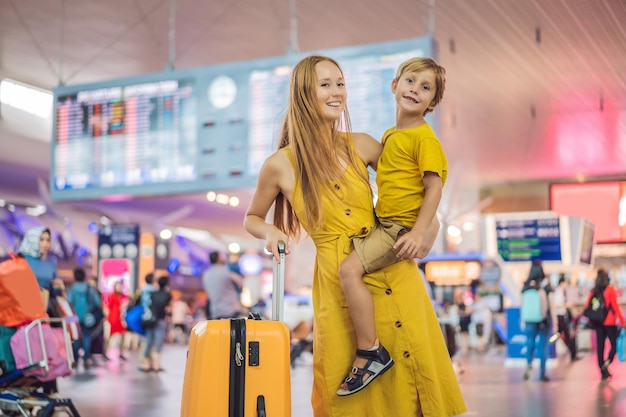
x,y
407,154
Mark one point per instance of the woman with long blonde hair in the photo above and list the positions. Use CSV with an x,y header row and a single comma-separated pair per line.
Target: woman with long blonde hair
x,y
318,180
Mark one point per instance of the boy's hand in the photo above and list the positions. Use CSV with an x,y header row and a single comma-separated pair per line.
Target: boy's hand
x,y
411,246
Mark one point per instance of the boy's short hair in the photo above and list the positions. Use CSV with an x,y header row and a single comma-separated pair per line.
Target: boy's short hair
x,y
163,281
214,257
423,64
79,274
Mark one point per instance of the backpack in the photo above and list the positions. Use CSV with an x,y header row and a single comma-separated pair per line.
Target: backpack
x,y
534,305
596,311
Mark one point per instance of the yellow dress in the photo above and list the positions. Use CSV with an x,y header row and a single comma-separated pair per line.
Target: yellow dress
x,y
422,381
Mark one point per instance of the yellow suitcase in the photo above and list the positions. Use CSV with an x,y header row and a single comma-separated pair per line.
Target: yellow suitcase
x,y
240,367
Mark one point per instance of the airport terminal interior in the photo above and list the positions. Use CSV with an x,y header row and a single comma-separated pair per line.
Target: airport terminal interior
x,y
132,134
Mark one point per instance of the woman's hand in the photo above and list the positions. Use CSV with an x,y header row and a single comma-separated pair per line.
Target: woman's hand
x,y
274,235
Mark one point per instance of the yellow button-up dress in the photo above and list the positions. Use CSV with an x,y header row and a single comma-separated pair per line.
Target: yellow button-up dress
x,y
422,381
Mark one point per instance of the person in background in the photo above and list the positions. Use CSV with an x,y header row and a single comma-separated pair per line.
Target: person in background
x,y
180,312
97,332
223,288
537,280
35,248
448,315
82,295
608,329
564,316
465,317
318,179
59,307
481,322
117,304
160,305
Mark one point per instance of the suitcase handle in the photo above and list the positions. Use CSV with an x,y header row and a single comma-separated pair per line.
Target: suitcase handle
x,y
278,289
260,406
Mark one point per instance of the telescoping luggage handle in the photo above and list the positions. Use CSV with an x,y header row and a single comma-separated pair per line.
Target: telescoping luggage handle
x,y
278,290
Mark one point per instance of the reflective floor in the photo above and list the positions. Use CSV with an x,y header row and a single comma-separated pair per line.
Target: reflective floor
x,y
492,390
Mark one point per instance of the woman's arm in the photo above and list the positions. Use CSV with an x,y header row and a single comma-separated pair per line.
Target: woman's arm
x,y
268,187
368,149
616,307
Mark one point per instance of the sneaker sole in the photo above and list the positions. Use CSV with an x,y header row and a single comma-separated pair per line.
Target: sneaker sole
x,y
386,367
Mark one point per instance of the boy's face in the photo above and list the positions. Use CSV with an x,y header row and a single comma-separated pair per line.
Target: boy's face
x,y
331,90
415,91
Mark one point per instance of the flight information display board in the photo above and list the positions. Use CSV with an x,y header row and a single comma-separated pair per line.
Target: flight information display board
x,y
527,240
201,129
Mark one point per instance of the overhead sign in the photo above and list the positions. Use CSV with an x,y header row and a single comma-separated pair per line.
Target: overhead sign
x,y
527,240
203,128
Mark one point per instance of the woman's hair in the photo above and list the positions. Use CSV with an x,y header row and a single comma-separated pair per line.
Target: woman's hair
x,y
317,147
536,274
602,280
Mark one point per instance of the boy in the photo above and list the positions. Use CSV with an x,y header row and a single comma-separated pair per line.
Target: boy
x,y
410,176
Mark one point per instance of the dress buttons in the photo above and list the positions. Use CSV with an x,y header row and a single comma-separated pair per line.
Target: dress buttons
x,y
406,354
398,324
363,230
348,212
388,291
337,187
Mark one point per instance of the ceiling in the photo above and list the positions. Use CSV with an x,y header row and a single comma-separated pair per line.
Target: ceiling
x,y
535,89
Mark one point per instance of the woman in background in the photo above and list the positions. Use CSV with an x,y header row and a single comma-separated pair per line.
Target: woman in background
x,y
537,281
117,304
608,329
35,248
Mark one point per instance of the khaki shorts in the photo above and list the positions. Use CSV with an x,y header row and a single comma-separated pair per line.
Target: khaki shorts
x,y
376,249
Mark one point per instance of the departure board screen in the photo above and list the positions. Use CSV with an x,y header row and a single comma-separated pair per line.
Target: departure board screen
x,y
529,240
201,129
121,136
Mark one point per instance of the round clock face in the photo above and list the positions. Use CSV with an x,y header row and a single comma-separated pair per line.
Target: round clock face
x,y
222,92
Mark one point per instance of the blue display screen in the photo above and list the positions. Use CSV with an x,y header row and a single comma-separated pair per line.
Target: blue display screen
x,y
201,129
527,240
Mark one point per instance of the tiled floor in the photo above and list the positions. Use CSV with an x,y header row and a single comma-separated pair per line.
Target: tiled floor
x,y
117,389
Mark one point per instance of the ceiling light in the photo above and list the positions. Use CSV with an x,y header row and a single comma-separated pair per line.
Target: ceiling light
x,y
36,211
468,226
234,247
27,98
233,201
165,234
454,231
222,198
210,196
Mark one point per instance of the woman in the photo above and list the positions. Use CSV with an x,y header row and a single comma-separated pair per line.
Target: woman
x,y
339,207
541,329
609,326
35,248
117,302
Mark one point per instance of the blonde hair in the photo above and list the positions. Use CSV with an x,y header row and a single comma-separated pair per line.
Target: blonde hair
x,y
423,64
312,140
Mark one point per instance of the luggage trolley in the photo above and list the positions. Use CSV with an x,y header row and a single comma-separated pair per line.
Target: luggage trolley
x,y
19,394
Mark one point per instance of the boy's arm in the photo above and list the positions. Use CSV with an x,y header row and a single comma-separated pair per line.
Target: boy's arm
x,y
413,244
